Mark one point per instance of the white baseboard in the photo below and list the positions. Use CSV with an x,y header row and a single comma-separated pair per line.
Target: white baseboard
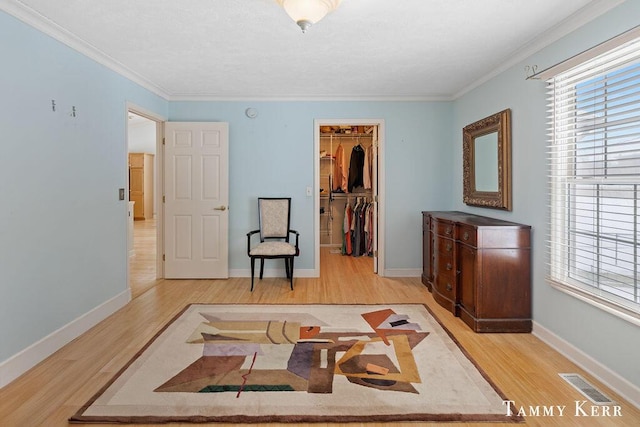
x,y
26,359
272,272
611,379
402,272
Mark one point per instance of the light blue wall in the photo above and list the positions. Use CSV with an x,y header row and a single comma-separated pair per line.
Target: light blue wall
x,y
607,339
62,228
273,155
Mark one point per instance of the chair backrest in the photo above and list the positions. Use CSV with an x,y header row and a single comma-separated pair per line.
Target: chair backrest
x,y
275,215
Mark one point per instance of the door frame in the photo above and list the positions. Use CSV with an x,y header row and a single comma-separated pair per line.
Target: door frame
x,y
158,171
381,184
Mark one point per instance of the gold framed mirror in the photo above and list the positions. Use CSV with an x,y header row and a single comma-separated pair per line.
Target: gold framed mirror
x,y
486,162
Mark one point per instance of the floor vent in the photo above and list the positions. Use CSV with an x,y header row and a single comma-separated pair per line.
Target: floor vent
x,y
587,389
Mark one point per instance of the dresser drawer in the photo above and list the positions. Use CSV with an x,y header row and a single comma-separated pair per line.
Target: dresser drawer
x,y
446,286
444,264
444,246
444,228
467,235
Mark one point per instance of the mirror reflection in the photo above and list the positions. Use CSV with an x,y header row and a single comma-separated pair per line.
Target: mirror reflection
x,y
486,162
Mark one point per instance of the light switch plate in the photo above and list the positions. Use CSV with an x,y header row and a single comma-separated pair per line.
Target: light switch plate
x,y
121,193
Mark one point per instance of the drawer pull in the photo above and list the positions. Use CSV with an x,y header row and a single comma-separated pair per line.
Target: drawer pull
x,y
466,235
449,266
449,287
447,231
449,247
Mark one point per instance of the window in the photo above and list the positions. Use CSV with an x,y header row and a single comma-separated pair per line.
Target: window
x,y
594,169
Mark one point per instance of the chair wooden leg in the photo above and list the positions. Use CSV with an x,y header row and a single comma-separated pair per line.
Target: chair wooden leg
x,y
286,268
261,267
253,268
291,273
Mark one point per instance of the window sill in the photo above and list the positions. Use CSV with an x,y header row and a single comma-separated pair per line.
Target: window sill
x,y
610,307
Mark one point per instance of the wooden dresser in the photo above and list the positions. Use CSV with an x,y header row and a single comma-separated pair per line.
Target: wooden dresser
x,y
479,268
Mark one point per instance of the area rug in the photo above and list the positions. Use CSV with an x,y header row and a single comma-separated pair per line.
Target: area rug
x,y
299,363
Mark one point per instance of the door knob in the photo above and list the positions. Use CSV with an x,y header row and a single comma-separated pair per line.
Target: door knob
x,y
220,208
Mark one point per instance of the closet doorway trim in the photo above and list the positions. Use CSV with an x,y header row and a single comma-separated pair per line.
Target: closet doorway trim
x,y
381,185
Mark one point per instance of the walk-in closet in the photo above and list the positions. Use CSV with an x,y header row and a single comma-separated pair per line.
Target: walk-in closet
x,y
348,189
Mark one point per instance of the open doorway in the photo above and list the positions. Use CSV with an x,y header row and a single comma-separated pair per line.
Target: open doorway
x,y
143,202
349,200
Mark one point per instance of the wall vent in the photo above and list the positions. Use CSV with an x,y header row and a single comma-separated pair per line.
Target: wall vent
x,y
587,389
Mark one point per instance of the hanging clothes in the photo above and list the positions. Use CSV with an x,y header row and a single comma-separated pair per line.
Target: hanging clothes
x,y
368,229
370,226
346,230
356,165
358,229
368,164
339,171
355,230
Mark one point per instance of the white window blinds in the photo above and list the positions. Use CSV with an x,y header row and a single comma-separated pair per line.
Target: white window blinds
x,y
594,169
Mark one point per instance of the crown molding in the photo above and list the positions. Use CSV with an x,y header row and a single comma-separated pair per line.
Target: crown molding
x,y
312,98
24,13
555,33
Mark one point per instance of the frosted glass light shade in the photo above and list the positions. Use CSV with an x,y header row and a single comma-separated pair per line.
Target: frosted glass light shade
x,y
307,12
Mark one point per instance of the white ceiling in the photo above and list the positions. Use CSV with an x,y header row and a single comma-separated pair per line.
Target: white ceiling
x,y
251,49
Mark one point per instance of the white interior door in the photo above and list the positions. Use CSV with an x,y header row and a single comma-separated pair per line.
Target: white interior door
x,y
196,200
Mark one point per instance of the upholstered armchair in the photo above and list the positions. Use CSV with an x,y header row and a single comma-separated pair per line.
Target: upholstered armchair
x,y
274,221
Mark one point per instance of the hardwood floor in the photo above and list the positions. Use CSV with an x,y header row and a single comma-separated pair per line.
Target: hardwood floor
x,y
523,367
142,264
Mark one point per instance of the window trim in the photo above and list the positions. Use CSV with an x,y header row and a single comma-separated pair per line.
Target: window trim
x,y
606,305
557,200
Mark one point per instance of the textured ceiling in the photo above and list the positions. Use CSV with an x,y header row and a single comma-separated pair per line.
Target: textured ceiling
x,y
251,49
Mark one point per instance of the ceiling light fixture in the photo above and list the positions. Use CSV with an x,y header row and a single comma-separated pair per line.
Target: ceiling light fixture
x,y
307,12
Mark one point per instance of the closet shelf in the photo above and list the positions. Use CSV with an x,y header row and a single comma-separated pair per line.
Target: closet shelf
x,y
366,193
344,135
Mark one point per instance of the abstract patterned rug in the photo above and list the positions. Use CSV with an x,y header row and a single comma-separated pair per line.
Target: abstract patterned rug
x,y
299,363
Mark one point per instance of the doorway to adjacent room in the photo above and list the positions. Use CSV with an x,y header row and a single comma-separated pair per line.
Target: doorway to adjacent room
x,y
142,242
